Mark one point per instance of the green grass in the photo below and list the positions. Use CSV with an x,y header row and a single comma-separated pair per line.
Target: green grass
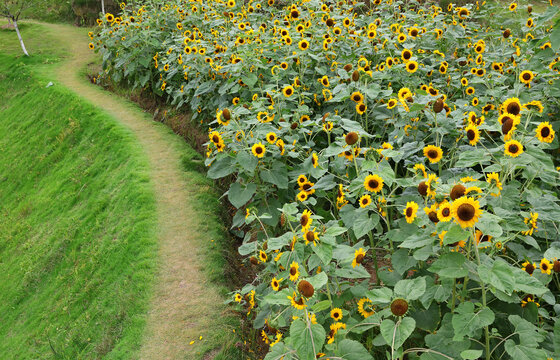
x,y
77,220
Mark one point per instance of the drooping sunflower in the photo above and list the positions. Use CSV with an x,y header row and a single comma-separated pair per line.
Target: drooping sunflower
x,y
466,211
365,307
444,212
433,153
365,200
258,150
359,256
298,304
314,160
513,148
271,138
411,66
526,77
288,90
512,106
336,314
373,183
305,220
294,271
544,132
473,134
545,266
410,211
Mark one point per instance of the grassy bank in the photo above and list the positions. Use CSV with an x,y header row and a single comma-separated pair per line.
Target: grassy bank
x,y
77,224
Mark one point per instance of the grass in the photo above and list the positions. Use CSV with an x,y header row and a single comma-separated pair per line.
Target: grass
x,y
77,225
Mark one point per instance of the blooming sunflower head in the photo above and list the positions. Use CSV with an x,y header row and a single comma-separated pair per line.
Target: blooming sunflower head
x,y
410,211
294,271
365,307
545,266
466,211
513,148
359,256
433,153
444,212
365,201
336,314
258,150
544,132
373,183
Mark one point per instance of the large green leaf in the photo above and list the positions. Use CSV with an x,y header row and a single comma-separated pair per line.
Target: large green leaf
x,y
466,321
411,289
451,265
522,352
364,223
308,341
352,350
500,276
238,194
395,334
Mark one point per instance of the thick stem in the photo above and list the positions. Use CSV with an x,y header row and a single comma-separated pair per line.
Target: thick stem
x,y
103,6
483,288
19,37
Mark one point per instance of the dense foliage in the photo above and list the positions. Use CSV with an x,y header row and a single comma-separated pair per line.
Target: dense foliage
x,y
394,166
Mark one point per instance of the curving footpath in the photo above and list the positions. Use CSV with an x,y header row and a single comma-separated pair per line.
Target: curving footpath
x,y
184,304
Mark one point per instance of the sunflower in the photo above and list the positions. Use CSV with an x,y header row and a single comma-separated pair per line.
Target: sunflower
x,y
357,97
401,38
258,150
91,46
361,108
544,132
513,148
494,178
302,179
410,211
336,314
545,266
288,90
262,256
406,55
411,66
473,134
431,185
307,187
334,329
294,271
373,183
324,80
298,304
275,284
302,196
215,137
529,299
314,160
464,82
466,211
433,153
359,256
528,267
391,103
365,307
512,6
526,76
271,138
311,236
328,126
444,212
512,106
305,220
303,45
238,298
365,200
470,90
529,23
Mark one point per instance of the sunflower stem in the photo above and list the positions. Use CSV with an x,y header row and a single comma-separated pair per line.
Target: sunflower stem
x,y
375,264
483,289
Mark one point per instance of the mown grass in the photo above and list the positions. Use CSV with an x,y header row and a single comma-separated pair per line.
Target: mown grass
x,y
77,226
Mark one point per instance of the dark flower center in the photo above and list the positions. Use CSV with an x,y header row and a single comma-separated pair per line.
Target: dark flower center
x,y
309,236
471,135
293,271
466,212
445,212
527,76
513,149
513,108
373,184
507,125
432,154
408,212
545,131
304,220
399,307
529,269
359,258
259,150
306,187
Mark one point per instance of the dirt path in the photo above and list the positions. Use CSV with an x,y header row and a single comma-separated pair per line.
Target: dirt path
x,y
184,305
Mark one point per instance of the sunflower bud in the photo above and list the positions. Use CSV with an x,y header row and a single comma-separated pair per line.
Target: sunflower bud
x,y
433,217
305,288
294,125
423,188
282,220
399,307
506,33
325,116
254,260
265,246
355,75
438,106
462,62
529,9
351,138
457,191
227,114
348,67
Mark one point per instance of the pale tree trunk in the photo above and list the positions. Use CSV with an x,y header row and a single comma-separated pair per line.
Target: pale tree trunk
x,y
19,37
103,7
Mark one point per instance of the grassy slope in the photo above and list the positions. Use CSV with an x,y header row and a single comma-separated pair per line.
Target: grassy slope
x,y
77,224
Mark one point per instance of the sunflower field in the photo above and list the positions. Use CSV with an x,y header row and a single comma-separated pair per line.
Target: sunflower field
x,y
393,164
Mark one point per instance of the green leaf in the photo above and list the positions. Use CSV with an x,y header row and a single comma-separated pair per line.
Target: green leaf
x,y
279,242
323,251
308,341
364,223
451,265
396,334
319,280
528,333
380,296
411,289
353,273
278,297
221,167
466,322
401,261
427,319
521,352
238,195
472,157
488,224
557,337
417,240
527,283
249,80
471,354
352,350
455,234
277,175
321,305
500,275
247,161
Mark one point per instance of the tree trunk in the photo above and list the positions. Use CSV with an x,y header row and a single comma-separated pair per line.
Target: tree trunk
x,y
103,7
19,37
